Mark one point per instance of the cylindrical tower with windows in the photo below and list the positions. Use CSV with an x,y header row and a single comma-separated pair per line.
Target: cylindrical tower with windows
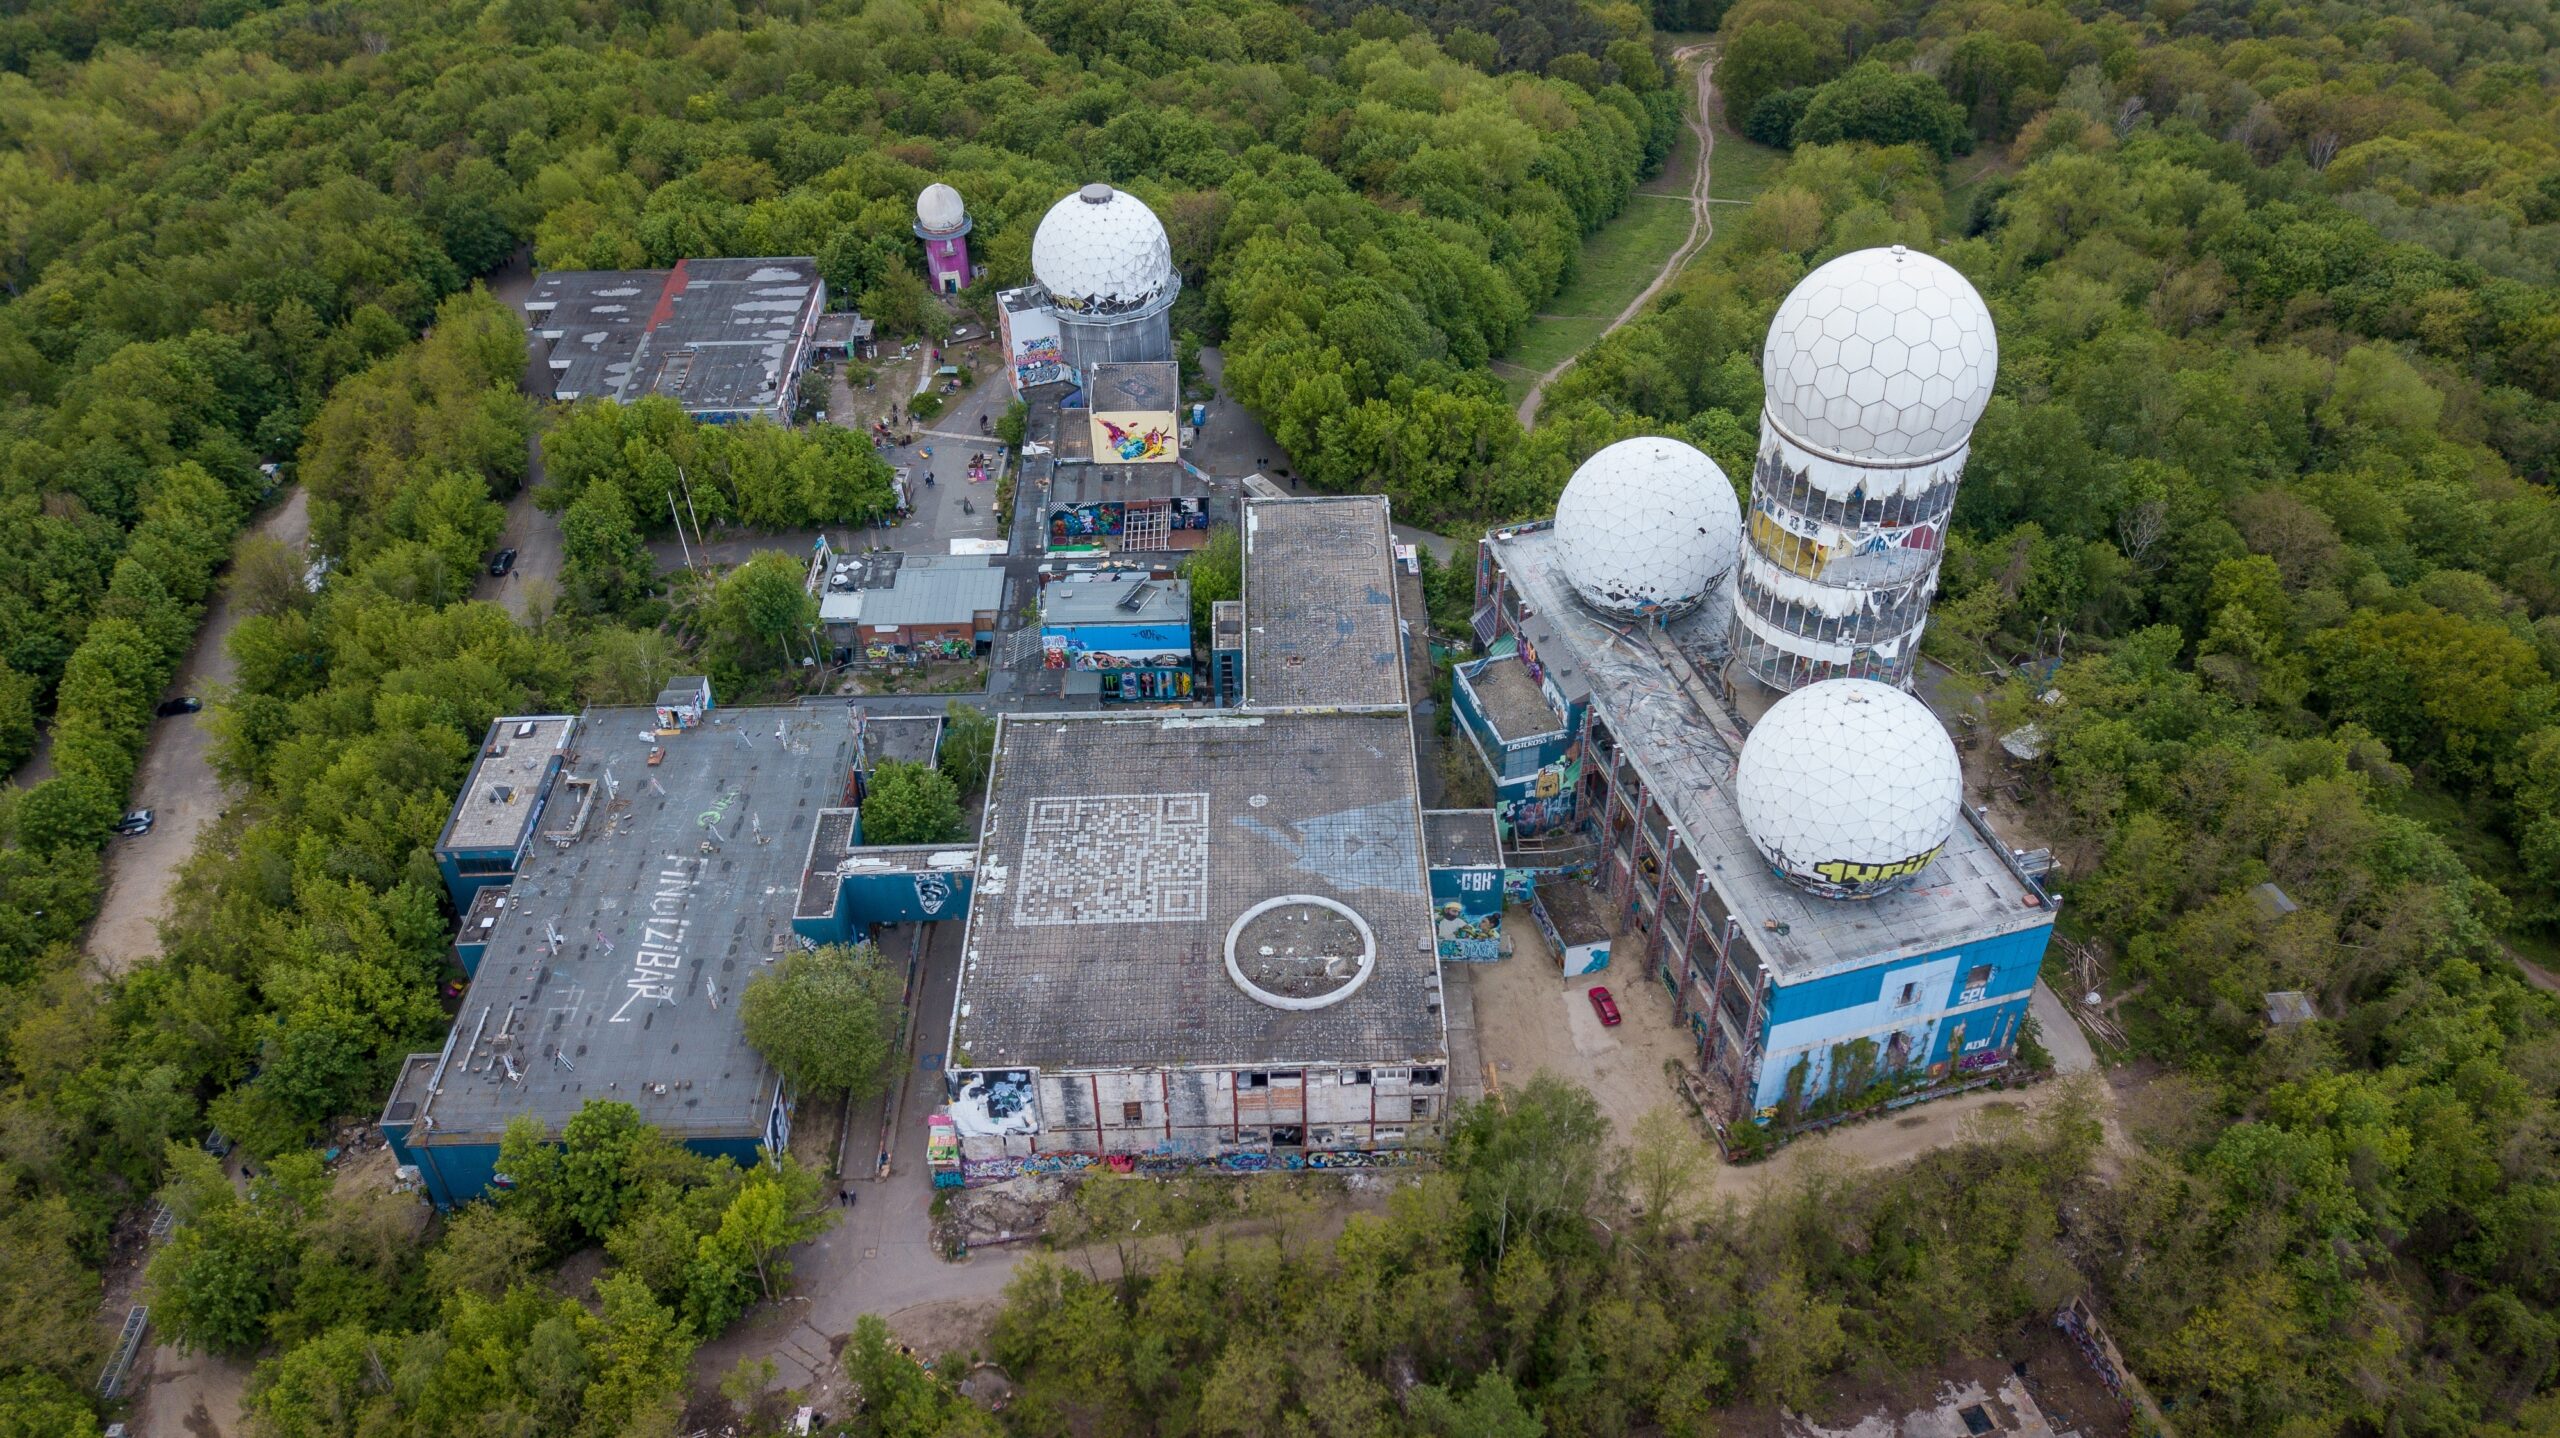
x,y
1877,366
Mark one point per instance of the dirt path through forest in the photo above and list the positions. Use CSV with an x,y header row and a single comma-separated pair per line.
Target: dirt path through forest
x,y
176,782
1702,224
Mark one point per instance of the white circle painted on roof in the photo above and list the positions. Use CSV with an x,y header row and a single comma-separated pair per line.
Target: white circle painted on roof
x,y
939,209
1646,526
1101,246
1849,787
1880,355
1299,980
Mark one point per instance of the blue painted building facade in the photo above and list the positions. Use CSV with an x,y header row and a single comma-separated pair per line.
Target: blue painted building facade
x,y
1133,629
1953,1013
471,940
1535,762
895,893
1464,862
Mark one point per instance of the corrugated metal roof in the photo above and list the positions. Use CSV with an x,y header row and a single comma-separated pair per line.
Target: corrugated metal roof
x,y
935,594
1105,600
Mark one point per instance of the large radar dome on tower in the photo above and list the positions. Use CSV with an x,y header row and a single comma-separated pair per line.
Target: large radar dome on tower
x,y
1102,250
1646,527
1880,355
1849,787
940,212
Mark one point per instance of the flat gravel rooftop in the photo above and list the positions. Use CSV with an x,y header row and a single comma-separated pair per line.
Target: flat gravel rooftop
x,y
1461,839
1320,604
679,890
496,802
1119,852
1513,700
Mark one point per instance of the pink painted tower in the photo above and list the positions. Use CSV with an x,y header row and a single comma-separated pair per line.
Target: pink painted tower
x,y
942,222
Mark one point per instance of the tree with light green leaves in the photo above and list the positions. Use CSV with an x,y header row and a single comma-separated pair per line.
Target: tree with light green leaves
x,y
762,611
900,1397
1216,572
908,803
827,1018
968,745
604,565
227,1270
740,1262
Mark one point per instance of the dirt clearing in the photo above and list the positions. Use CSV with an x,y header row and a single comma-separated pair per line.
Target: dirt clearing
x,y
176,782
1530,1017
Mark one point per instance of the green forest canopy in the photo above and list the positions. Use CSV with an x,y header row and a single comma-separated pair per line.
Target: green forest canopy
x,y
2279,402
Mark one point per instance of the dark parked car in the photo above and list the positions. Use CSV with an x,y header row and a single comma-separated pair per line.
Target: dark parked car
x,y
501,562
183,704
137,822
1605,1006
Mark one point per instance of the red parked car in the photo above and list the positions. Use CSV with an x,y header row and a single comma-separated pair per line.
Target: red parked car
x,y
1605,1006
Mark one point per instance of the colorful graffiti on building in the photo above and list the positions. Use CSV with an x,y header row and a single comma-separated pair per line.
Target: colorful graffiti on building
x,y
881,652
1466,939
1291,1161
1153,684
1073,522
1548,803
1068,651
1162,1162
1038,359
1135,437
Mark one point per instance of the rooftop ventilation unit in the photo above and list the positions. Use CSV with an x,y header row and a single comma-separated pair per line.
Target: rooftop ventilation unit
x,y
525,729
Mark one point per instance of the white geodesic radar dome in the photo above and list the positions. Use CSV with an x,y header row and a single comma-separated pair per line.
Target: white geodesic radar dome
x,y
939,210
1880,355
1849,787
1102,248
1646,525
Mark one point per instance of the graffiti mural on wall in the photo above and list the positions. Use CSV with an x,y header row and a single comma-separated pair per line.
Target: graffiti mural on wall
x,y
1067,651
1548,805
1468,940
1073,522
932,892
1133,439
1154,684
1160,1163
1291,1161
1039,360
882,652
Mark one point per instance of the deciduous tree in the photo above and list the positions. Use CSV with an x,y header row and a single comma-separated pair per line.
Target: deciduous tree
x,y
827,1018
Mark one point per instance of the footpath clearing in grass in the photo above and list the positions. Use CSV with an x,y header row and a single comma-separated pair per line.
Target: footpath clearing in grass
x,y
1628,250
1618,261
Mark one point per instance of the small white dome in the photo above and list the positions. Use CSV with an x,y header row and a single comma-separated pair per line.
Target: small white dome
x,y
1102,248
1849,787
1646,526
939,211
1880,355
